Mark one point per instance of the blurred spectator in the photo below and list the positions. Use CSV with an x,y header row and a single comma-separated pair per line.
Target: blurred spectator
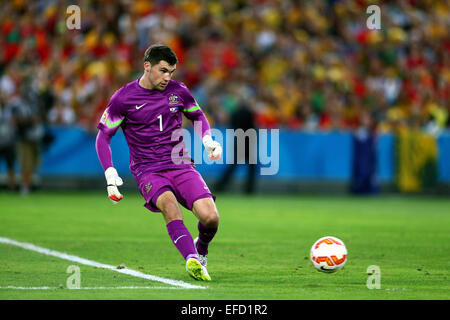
x,y
242,118
310,65
43,87
61,114
364,167
7,138
30,131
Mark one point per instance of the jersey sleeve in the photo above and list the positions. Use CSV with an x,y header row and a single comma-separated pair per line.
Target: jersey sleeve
x,y
103,148
193,112
112,116
108,126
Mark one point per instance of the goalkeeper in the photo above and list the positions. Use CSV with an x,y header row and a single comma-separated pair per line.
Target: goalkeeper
x,y
149,110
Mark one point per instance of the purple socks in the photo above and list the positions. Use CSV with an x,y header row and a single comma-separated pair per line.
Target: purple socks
x,y
182,239
205,235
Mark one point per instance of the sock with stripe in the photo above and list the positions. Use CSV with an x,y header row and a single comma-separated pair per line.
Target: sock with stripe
x,y
182,239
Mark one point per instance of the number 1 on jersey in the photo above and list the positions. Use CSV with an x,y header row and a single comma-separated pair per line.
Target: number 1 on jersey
x,y
160,122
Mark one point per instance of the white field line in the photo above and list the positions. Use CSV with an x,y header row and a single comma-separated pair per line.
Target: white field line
x,y
65,256
90,288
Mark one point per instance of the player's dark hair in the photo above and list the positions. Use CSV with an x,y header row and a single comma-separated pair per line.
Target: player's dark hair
x,y
157,52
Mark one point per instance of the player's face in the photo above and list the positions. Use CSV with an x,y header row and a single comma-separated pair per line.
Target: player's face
x,y
159,74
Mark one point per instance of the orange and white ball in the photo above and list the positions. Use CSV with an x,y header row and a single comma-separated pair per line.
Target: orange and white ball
x,y
328,254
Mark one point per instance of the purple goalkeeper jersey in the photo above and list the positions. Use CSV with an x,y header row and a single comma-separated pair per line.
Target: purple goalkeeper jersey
x,y
150,120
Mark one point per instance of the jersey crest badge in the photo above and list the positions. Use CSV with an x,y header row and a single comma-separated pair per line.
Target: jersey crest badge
x,y
173,99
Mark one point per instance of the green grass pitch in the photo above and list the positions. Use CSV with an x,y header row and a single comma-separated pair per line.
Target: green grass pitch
x,y
261,251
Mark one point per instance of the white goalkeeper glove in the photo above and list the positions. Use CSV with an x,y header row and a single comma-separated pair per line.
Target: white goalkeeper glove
x,y
113,181
212,147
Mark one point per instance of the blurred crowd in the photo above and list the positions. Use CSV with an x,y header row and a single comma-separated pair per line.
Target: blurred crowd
x,y
297,64
307,65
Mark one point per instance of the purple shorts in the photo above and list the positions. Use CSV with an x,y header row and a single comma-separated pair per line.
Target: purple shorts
x,y
186,184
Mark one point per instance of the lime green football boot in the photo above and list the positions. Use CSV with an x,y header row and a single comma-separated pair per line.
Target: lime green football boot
x,y
203,258
196,270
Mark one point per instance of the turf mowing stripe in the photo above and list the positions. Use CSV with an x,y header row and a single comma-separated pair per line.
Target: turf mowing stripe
x,y
65,256
90,288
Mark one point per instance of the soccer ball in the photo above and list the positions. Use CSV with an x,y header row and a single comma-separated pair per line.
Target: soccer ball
x,y
328,254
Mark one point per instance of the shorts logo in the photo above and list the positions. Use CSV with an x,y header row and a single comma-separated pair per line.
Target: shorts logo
x,y
173,99
148,187
174,109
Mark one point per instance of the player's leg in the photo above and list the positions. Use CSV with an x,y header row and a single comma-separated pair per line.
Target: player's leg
x,y
10,159
180,235
225,180
193,193
251,177
206,212
157,190
178,232
168,204
26,166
